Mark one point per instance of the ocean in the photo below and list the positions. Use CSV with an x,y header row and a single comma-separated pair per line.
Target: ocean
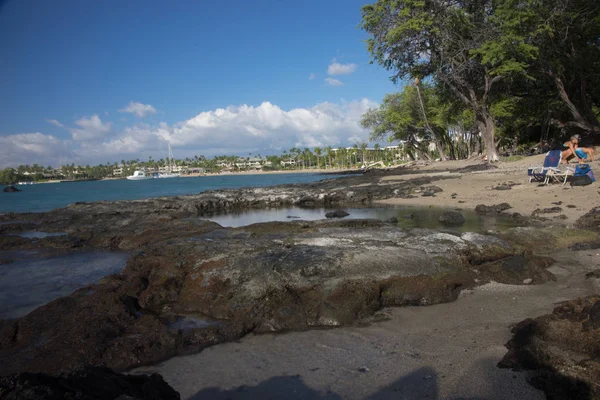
x,y
48,196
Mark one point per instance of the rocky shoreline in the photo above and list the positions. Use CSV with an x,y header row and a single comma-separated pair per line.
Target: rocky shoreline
x,y
191,283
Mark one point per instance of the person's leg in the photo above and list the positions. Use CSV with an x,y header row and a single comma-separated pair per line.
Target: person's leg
x,y
565,155
588,152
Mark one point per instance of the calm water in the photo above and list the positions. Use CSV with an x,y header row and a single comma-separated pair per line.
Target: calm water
x,y
420,217
45,197
29,282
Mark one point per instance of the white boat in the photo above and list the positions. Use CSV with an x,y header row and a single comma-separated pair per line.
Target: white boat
x,y
139,176
171,165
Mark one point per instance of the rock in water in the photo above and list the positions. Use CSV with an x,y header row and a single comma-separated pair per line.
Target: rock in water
x,y
337,214
482,209
392,220
11,189
452,218
92,383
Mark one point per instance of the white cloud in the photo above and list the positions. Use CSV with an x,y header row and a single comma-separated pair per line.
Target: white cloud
x,y
334,82
30,148
138,109
335,68
311,76
235,130
55,123
90,129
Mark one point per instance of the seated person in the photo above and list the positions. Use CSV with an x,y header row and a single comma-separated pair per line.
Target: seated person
x,y
573,150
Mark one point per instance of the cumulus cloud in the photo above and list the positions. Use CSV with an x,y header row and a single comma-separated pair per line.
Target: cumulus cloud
x,y
311,76
334,82
138,109
90,129
335,68
264,129
30,148
55,123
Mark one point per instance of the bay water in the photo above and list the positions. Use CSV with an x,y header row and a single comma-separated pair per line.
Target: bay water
x,y
48,196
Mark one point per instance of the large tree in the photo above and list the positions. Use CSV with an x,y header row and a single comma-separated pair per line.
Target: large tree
x,y
565,36
452,42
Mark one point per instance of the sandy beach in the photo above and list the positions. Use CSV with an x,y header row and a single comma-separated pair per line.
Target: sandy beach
x,y
473,188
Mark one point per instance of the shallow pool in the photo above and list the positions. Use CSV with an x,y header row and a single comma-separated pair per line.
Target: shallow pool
x,y
29,281
407,216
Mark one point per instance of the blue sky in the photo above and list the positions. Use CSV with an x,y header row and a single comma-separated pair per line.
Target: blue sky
x,y
118,79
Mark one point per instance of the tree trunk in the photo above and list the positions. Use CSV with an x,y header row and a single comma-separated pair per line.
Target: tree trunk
x,y
486,126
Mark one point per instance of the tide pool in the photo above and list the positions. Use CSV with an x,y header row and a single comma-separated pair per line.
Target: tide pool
x,y
48,196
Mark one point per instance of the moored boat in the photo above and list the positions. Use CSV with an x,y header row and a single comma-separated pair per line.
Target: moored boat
x,y
139,176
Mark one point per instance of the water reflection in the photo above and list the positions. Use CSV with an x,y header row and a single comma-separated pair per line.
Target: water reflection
x,y
29,282
407,216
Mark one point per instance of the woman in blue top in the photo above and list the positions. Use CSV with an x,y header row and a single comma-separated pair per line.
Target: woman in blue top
x,y
573,149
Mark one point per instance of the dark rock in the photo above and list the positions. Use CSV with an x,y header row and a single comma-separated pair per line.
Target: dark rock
x,y
11,189
392,220
249,279
557,203
452,218
590,220
561,349
593,275
337,214
551,210
428,194
482,209
571,206
409,216
292,216
91,383
585,246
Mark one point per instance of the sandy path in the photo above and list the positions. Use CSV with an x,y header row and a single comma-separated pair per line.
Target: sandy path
x,y
446,351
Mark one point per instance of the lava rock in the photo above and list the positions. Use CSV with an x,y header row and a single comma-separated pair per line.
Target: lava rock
x,y
337,214
452,218
551,210
560,349
482,209
590,220
585,246
11,189
91,383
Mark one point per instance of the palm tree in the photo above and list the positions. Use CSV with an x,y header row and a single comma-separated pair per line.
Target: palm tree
x,y
318,154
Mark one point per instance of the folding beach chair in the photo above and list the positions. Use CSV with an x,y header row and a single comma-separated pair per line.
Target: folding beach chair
x,y
549,170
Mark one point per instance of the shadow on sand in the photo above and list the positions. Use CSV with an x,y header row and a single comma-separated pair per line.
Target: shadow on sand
x,y
419,384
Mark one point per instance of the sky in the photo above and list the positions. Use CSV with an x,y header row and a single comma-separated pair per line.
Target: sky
x,y
96,81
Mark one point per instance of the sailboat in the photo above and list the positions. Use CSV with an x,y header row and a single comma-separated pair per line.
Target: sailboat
x,y
171,165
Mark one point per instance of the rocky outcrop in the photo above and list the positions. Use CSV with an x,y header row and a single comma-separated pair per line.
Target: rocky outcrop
x,y
562,349
11,189
482,209
336,214
86,384
590,220
181,294
452,218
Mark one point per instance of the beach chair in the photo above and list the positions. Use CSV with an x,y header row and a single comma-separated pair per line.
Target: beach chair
x,y
549,170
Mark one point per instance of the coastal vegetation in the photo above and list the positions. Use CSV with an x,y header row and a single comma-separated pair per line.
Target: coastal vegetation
x,y
485,75
290,160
